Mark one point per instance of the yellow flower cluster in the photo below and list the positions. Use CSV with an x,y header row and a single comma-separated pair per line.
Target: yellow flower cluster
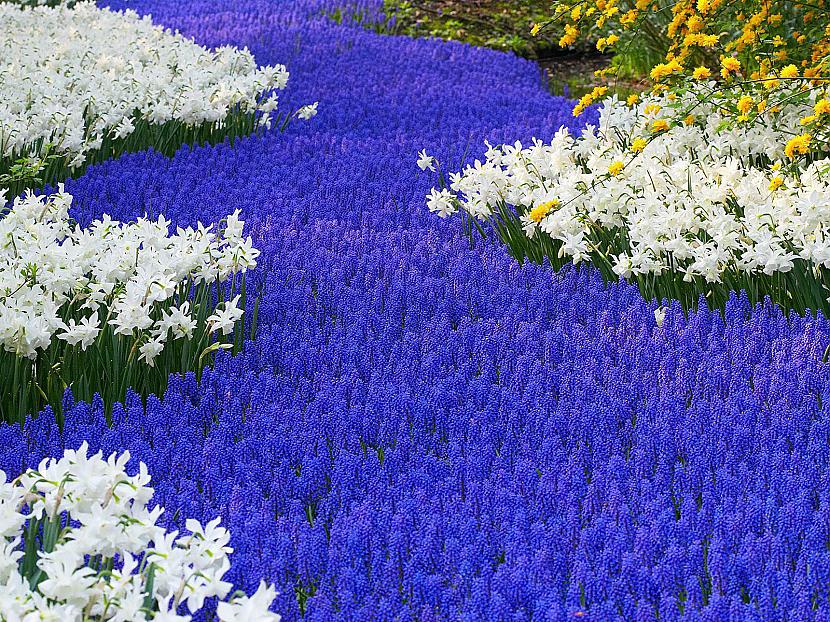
x,y
603,43
569,38
798,146
729,66
542,210
746,47
664,70
775,183
588,99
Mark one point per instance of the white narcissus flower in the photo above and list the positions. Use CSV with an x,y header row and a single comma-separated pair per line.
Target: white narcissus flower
x,y
111,521
226,319
150,350
441,202
426,161
308,111
82,333
252,608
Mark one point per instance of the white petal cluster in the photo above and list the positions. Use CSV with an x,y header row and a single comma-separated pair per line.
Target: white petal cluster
x,y
62,281
43,2
698,198
75,76
109,559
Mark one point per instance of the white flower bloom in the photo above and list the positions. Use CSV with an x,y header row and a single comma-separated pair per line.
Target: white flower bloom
x,y
308,111
226,319
178,321
441,202
660,316
250,608
84,333
150,350
426,161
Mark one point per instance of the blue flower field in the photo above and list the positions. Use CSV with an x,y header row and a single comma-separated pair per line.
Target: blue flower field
x,y
425,430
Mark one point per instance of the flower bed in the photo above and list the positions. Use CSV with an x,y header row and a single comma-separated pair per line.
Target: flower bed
x,y
115,83
79,542
424,430
684,211
111,306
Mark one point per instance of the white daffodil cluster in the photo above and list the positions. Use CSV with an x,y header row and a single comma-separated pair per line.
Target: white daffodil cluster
x,y
99,553
61,281
700,199
73,77
42,2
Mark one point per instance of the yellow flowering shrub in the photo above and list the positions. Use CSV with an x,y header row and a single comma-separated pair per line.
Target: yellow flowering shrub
x,y
750,57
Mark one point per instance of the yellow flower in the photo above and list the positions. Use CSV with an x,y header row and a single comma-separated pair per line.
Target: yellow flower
x,y
652,109
638,144
778,41
701,73
535,30
689,119
615,168
694,23
540,211
632,99
628,18
798,145
822,106
756,19
776,183
762,105
745,104
588,99
659,125
807,120
705,41
569,38
790,71
664,70
729,65
776,166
